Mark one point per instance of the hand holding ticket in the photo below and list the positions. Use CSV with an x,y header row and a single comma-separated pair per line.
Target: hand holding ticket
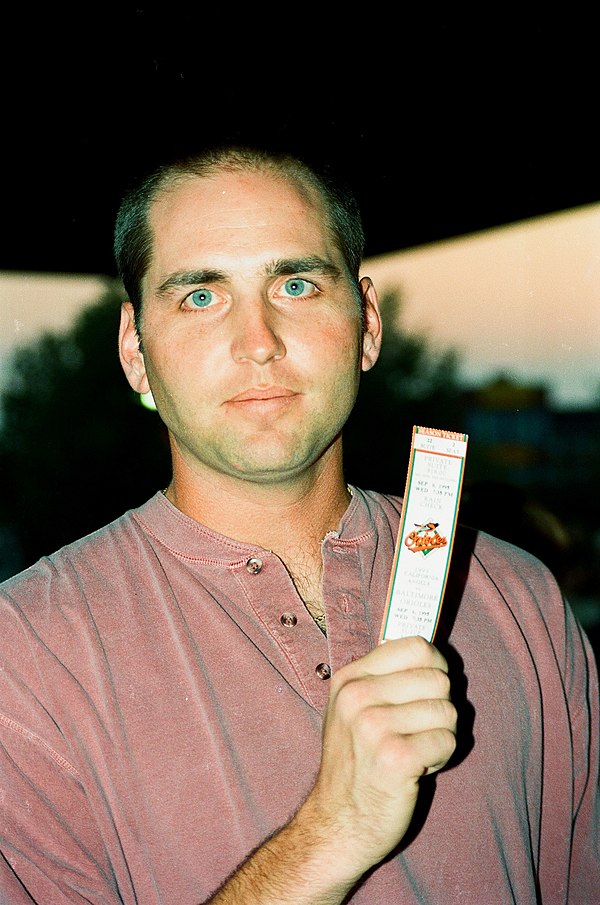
x,y
426,533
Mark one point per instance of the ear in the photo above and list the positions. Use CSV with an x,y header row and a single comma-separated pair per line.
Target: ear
x,y
372,330
130,355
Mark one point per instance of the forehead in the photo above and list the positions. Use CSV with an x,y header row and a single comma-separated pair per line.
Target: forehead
x,y
235,212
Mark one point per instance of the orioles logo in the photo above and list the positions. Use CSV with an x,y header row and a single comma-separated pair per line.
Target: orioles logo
x,y
425,539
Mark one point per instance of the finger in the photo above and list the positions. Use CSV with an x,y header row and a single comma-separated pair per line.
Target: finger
x,y
414,754
402,653
422,716
379,723
406,685
362,694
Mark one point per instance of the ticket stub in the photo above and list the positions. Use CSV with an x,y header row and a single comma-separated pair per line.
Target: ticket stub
x,y
426,535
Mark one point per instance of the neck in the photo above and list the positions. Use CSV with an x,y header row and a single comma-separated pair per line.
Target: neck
x,y
279,516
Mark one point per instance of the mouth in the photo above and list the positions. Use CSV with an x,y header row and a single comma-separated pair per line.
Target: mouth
x,y
263,394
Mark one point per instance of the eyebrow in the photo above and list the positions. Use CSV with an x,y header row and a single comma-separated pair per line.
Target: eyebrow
x,y
279,267
190,278
309,264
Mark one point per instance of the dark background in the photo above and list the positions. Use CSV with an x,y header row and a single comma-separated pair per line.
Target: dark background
x,y
444,123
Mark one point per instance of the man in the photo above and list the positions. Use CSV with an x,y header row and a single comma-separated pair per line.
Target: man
x,y
194,705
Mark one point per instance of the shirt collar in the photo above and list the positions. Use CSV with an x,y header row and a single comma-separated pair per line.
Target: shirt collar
x,y
185,536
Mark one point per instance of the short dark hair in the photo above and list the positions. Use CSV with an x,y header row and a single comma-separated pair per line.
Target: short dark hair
x,y
133,238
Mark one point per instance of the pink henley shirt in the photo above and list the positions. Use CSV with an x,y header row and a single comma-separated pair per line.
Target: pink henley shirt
x,y
161,695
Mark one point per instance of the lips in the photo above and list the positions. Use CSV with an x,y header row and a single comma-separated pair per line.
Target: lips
x,y
261,394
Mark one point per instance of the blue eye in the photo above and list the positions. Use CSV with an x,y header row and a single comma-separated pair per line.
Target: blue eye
x,y
297,287
200,298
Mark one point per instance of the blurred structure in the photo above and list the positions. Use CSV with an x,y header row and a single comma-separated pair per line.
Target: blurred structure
x,y
531,476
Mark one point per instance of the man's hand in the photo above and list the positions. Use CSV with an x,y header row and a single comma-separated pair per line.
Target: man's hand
x,y
389,721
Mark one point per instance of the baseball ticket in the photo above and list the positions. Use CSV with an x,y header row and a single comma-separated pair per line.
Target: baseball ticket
x,y
426,534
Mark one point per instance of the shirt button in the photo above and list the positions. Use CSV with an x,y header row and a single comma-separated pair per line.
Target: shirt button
x,y
254,565
288,619
323,670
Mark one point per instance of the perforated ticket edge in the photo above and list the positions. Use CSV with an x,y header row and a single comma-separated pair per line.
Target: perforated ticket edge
x,y
387,627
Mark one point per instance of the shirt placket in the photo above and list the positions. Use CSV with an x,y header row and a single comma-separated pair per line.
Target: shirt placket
x,y
350,634
275,601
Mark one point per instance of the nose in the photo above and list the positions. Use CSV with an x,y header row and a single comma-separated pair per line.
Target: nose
x,y
256,333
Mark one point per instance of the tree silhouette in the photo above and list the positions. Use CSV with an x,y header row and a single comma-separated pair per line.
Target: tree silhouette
x,y
76,447
410,384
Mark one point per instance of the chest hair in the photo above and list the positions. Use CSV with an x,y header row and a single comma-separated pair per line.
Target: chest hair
x,y
306,572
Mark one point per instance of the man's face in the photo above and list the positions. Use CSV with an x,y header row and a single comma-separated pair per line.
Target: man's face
x,y
251,329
